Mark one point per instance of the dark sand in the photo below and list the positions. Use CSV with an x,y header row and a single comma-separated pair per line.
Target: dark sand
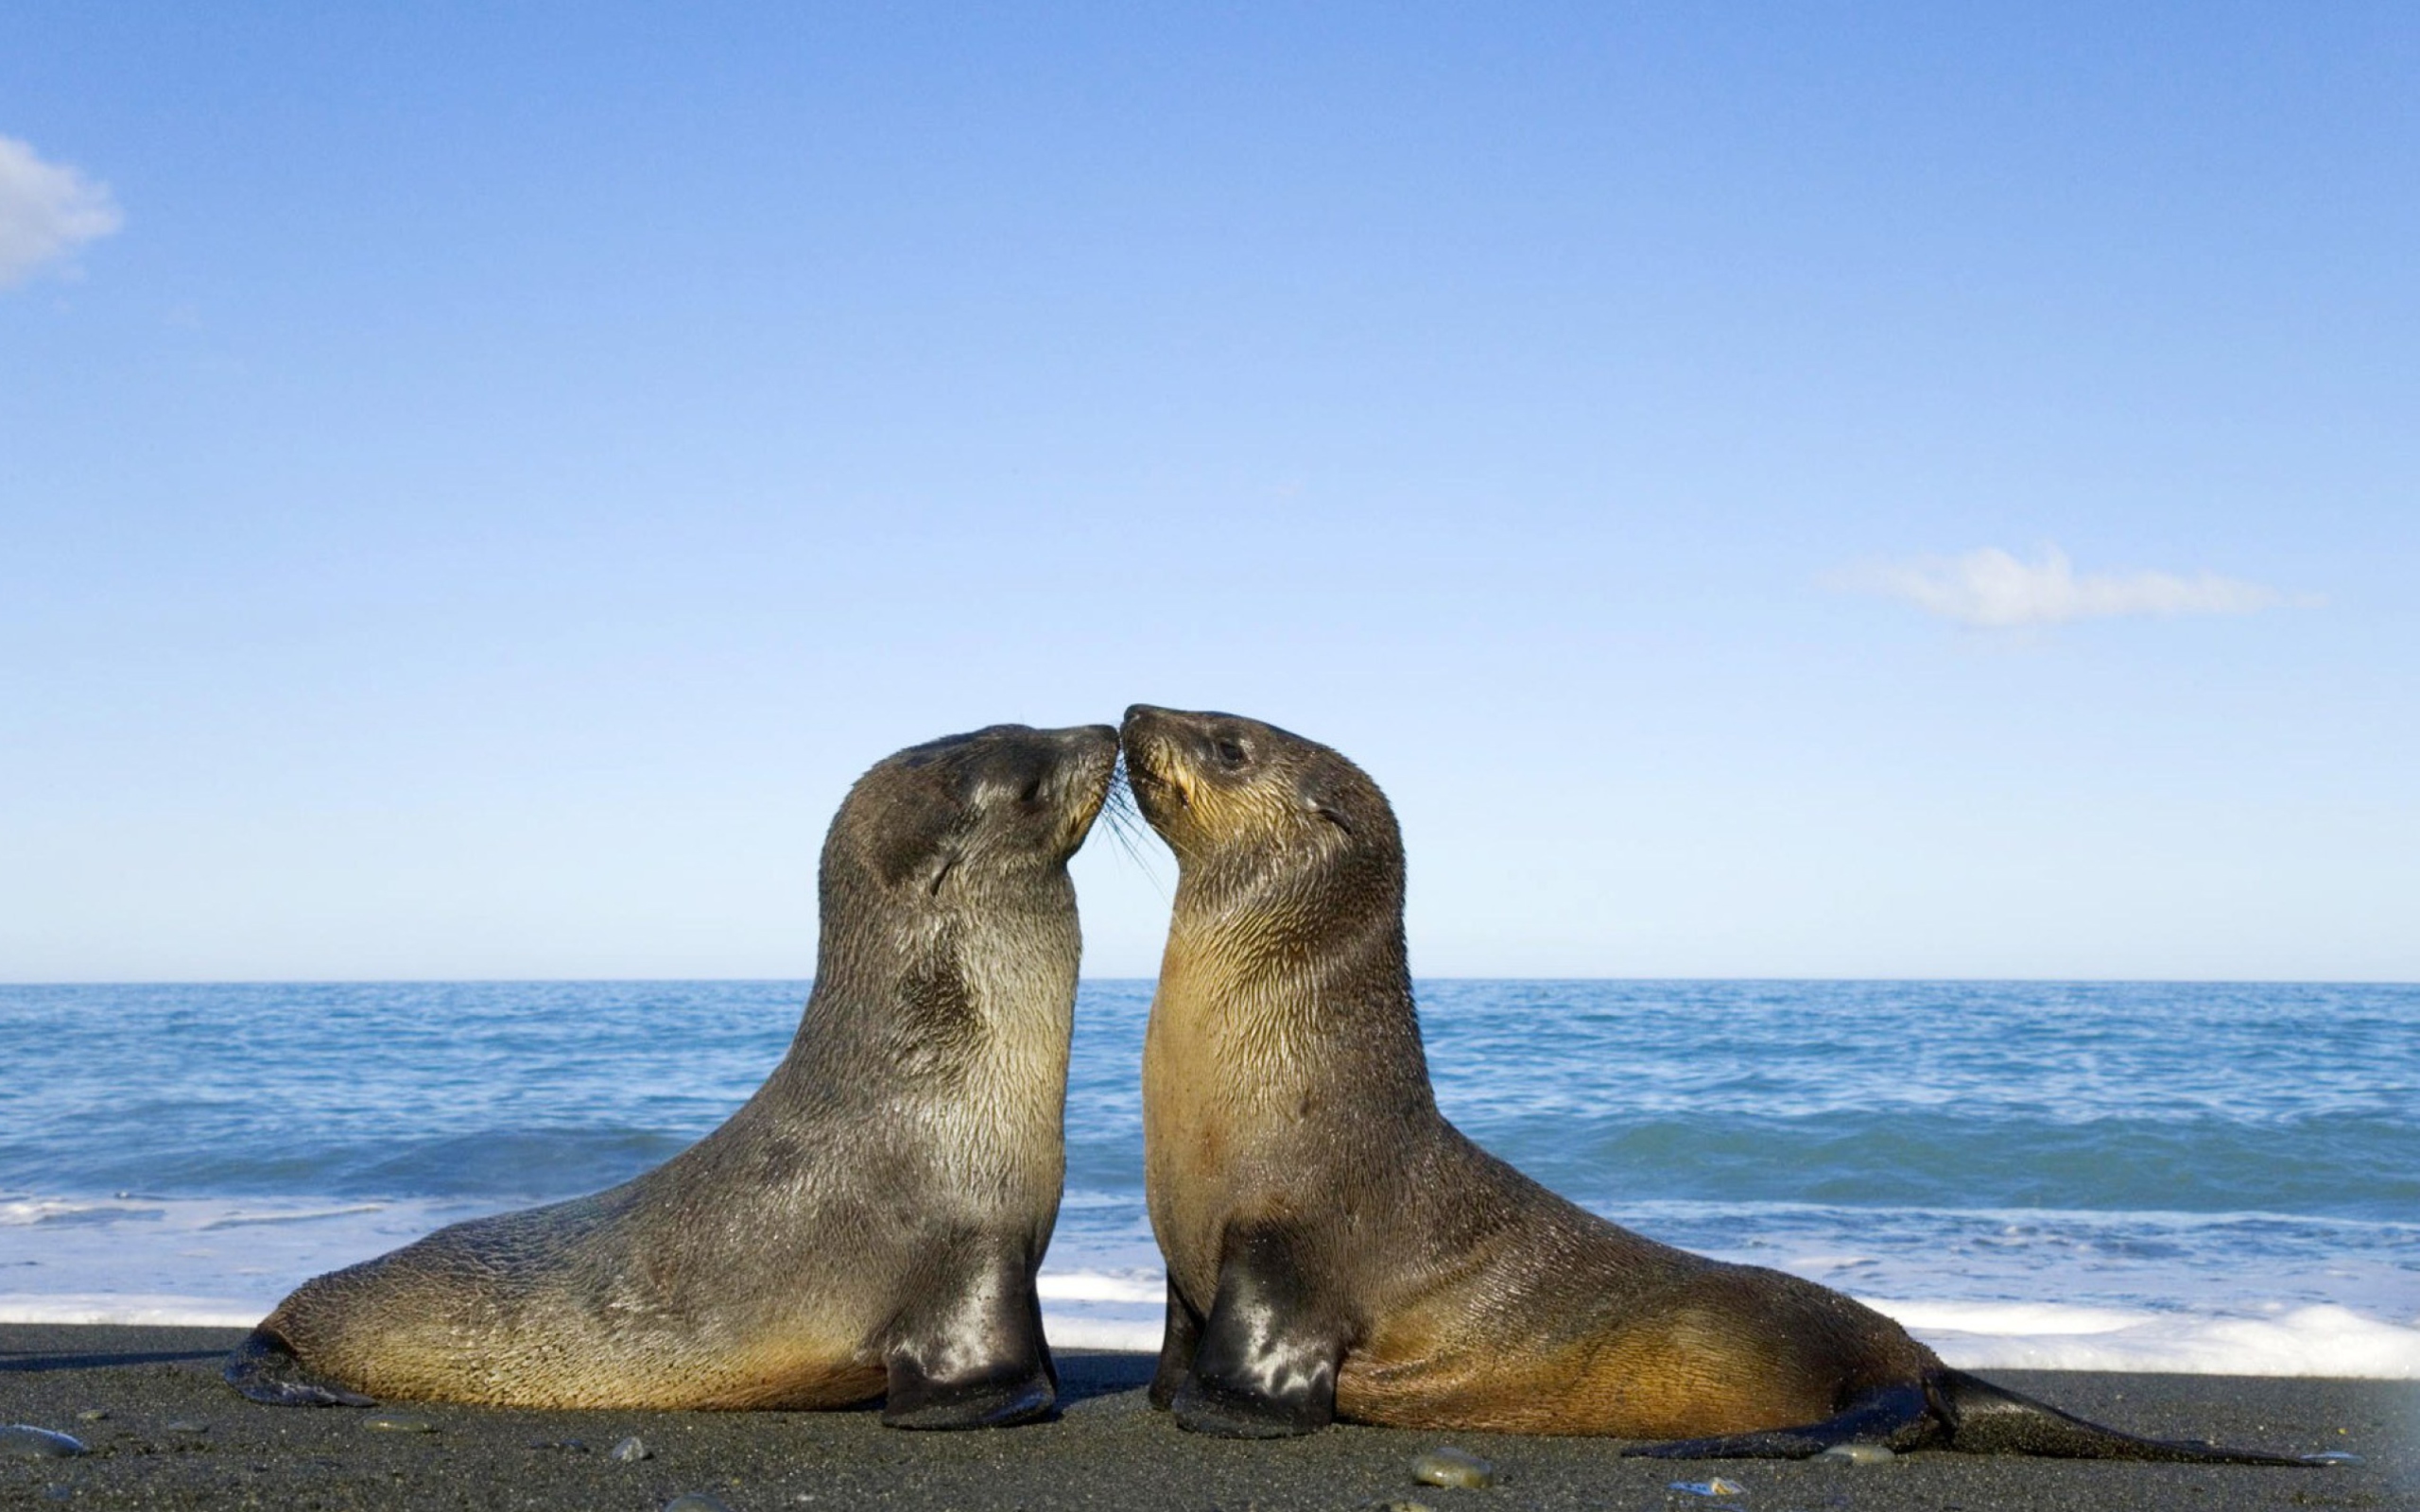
x,y
1108,1450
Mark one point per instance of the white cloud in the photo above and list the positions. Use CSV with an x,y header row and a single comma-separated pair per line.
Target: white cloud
x,y
46,210
1991,588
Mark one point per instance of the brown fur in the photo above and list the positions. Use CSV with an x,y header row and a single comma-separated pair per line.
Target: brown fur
x,y
1284,1083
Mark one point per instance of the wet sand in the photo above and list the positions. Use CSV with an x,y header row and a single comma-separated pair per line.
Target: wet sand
x,y
173,1436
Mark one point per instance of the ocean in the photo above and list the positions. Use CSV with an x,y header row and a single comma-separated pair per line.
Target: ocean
x,y
2103,1176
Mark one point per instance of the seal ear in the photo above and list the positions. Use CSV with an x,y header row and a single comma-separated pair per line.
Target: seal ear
x,y
1322,802
913,839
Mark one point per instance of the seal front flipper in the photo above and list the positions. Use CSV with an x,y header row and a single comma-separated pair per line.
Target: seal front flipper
x,y
1178,1342
264,1368
1265,1364
1896,1418
972,1355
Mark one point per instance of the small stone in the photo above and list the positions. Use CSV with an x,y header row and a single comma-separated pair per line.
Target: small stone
x,y
1448,1465
632,1448
696,1501
94,1415
1858,1453
393,1423
182,1427
1717,1486
1404,1505
26,1441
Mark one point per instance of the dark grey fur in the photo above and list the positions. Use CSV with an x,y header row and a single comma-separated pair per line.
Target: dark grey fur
x,y
869,1223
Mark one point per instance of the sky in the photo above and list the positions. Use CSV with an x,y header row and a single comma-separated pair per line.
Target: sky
x,y
1769,490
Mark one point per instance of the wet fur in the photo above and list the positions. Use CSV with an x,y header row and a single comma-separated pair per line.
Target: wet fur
x,y
1335,1247
868,1223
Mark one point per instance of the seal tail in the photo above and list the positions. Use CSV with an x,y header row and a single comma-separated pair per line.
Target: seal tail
x,y
265,1368
1982,1418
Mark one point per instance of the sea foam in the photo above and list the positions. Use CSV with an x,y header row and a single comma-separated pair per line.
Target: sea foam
x,y
127,1259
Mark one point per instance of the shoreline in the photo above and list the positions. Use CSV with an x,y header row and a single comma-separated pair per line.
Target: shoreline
x,y
1106,1450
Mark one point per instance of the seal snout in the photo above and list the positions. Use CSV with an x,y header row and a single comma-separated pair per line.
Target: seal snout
x,y
1155,761
1086,771
1091,743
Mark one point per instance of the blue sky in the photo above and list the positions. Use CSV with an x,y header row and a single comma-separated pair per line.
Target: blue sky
x,y
1770,491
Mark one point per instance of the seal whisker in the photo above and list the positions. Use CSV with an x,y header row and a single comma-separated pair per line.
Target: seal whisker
x,y
1125,821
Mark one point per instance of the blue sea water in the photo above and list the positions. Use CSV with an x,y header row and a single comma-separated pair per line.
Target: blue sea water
x,y
2202,1176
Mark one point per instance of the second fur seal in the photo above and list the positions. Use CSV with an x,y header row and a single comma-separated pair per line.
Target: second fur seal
x,y
1336,1248
868,1225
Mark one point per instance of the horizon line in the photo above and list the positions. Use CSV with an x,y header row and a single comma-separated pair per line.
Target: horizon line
x,y
501,981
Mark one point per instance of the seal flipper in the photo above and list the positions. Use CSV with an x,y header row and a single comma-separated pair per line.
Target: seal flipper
x,y
265,1368
973,1354
1266,1362
1896,1418
1983,1419
1179,1339
1954,1410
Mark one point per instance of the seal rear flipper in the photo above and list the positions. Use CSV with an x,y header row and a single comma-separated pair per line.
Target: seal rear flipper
x,y
265,1368
1983,1419
1896,1418
972,1355
1264,1364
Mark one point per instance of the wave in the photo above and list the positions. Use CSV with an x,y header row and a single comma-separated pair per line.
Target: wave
x,y
248,1220
129,1310
1973,1335
2320,1340
2351,1164
2262,1293
27,1212
1103,1286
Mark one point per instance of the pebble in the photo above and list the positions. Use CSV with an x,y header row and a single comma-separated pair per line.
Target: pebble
x,y
632,1448
186,1428
1448,1465
390,1424
696,1501
94,1415
1404,1506
1717,1486
26,1441
1858,1453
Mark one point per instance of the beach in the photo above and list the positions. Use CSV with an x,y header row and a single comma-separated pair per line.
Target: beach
x,y
175,1437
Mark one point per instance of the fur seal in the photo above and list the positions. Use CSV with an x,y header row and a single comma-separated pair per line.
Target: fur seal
x,y
1336,1248
868,1225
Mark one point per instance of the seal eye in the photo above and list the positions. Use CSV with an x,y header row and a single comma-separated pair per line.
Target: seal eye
x,y
1230,752
1033,793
